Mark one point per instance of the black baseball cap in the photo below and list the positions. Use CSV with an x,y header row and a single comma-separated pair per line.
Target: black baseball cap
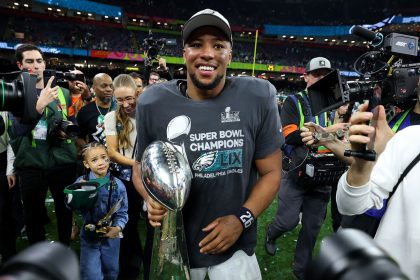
x,y
207,17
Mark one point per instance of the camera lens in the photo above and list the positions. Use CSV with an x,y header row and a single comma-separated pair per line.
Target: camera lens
x,y
352,254
72,130
11,95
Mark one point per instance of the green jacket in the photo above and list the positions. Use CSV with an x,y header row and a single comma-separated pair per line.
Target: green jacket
x,y
43,153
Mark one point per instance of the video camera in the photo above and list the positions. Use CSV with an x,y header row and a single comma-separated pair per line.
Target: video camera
x,y
153,46
398,82
382,81
19,96
61,79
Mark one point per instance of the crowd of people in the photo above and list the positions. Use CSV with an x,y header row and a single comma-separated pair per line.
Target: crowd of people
x,y
255,14
233,135
119,39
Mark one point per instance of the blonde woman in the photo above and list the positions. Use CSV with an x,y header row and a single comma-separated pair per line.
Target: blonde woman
x,y
120,131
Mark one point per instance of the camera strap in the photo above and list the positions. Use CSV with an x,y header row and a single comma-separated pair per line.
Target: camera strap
x,y
134,149
406,171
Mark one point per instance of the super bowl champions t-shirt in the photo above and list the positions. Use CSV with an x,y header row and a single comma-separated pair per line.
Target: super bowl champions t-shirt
x,y
222,137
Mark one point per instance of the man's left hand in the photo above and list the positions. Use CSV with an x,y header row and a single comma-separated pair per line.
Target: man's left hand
x,y
222,234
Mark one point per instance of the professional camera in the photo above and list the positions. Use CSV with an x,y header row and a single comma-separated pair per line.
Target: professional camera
x,y
70,129
19,96
153,46
396,81
352,254
61,78
384,80
42,261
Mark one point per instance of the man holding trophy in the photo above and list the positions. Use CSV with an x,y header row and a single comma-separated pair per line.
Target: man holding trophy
x,y
229,131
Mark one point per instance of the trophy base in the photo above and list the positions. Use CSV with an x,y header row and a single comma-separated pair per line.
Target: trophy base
x,y
169,255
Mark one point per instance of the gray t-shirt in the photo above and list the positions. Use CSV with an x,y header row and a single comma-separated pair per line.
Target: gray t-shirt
x,y
222,137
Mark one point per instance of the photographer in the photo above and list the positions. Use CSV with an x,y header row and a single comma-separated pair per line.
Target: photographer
x,y
296,196
45,156
369,221
153,75
367,184
79,92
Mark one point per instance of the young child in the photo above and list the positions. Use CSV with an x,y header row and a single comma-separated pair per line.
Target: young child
x,y
99,254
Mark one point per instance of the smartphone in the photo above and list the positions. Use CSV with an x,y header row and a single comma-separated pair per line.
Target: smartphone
x,y
48,73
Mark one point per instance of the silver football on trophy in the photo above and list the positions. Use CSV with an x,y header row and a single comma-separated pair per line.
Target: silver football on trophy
x,y
166,174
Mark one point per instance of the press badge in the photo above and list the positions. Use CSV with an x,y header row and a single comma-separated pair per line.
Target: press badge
x,y
40,130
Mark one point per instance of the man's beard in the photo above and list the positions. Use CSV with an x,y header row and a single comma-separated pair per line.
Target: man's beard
x,y
105,100
202,86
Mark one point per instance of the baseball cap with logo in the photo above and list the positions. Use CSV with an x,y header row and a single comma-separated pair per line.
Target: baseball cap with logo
x,y
207,17
317,63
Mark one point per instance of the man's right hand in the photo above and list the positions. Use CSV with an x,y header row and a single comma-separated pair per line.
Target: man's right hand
x,y
84,89
47,96
155,212
360,132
